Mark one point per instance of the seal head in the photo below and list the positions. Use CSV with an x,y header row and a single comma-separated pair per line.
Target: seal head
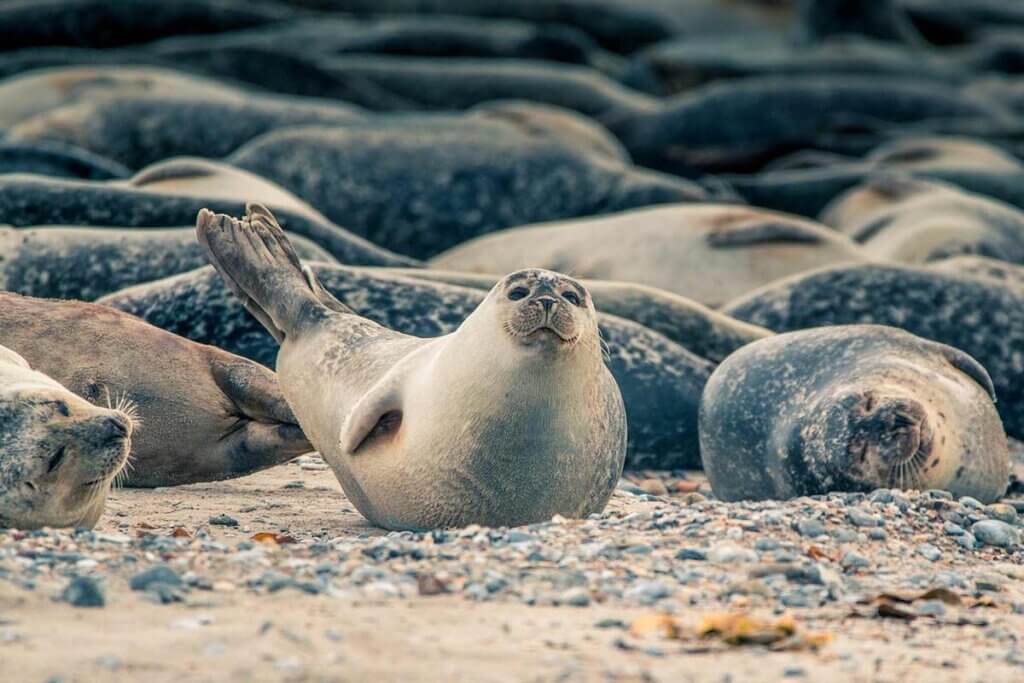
x,y
59,453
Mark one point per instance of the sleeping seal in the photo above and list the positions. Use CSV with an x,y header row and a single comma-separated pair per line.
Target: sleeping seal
x,y
206,414
509,420
58,452
981,316
851,408
710,253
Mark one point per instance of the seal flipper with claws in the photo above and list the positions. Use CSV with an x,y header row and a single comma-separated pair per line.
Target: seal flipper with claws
x,y
510,419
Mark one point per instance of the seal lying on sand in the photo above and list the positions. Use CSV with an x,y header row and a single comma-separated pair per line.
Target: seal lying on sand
x,y
978,315
661,380
207,414
58,452
509,420
711,253
851,408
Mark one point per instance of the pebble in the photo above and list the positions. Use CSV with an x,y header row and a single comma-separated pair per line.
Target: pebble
x,y
84,591
967,541
223,520
158,574
953,529
929,552
859,517
731,554
852,560
995,533
647,592
1002,512
812,528
691,554
575,597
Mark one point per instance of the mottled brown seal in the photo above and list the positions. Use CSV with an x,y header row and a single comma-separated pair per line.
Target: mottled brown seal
x,y
509,420
207,414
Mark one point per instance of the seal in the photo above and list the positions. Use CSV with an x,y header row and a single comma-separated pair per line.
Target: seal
x,y
980,316
737,126
692,325
169,195
915,221
710,253
57,159
59,454
39,90
999,270
85,263
851,408
138,129
428,433
660,380
419,190
207,414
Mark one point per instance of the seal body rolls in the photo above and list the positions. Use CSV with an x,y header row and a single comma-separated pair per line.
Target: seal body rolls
x,y
58,452
851,408
205,414
509,420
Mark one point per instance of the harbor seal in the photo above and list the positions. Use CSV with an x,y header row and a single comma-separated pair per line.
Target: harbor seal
x,y
207,414
980,316
85,263
420,190
710,253
509,420
660,380
913,220
59,453
851,408
169,195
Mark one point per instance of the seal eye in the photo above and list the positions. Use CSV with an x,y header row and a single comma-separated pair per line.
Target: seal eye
x,y
518,293
572,298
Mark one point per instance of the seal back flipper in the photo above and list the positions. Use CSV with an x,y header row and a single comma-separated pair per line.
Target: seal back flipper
x,y
259,264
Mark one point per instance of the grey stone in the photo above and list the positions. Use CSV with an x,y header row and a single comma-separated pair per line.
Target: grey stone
x,y
84,591
995,533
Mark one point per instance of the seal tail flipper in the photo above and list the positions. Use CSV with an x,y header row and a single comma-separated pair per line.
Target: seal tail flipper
x,y
259,264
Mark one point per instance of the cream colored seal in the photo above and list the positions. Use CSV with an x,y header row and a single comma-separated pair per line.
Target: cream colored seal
x,y
510,419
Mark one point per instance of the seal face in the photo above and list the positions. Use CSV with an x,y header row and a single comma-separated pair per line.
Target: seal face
x,y
510,419
58,453
851,408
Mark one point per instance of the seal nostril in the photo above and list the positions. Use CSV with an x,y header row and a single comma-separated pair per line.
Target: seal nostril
x,y
116,427
547,302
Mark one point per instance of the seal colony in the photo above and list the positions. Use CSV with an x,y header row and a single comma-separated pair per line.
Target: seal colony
x,y
509,420
508,238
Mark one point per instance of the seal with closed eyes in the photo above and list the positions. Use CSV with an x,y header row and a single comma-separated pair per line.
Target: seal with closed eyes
x,y
508,420
58,452
851,408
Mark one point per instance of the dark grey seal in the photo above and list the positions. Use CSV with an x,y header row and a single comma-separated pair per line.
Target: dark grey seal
x,y
418,191
851,408
27,200
56,159
72,262
982,317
